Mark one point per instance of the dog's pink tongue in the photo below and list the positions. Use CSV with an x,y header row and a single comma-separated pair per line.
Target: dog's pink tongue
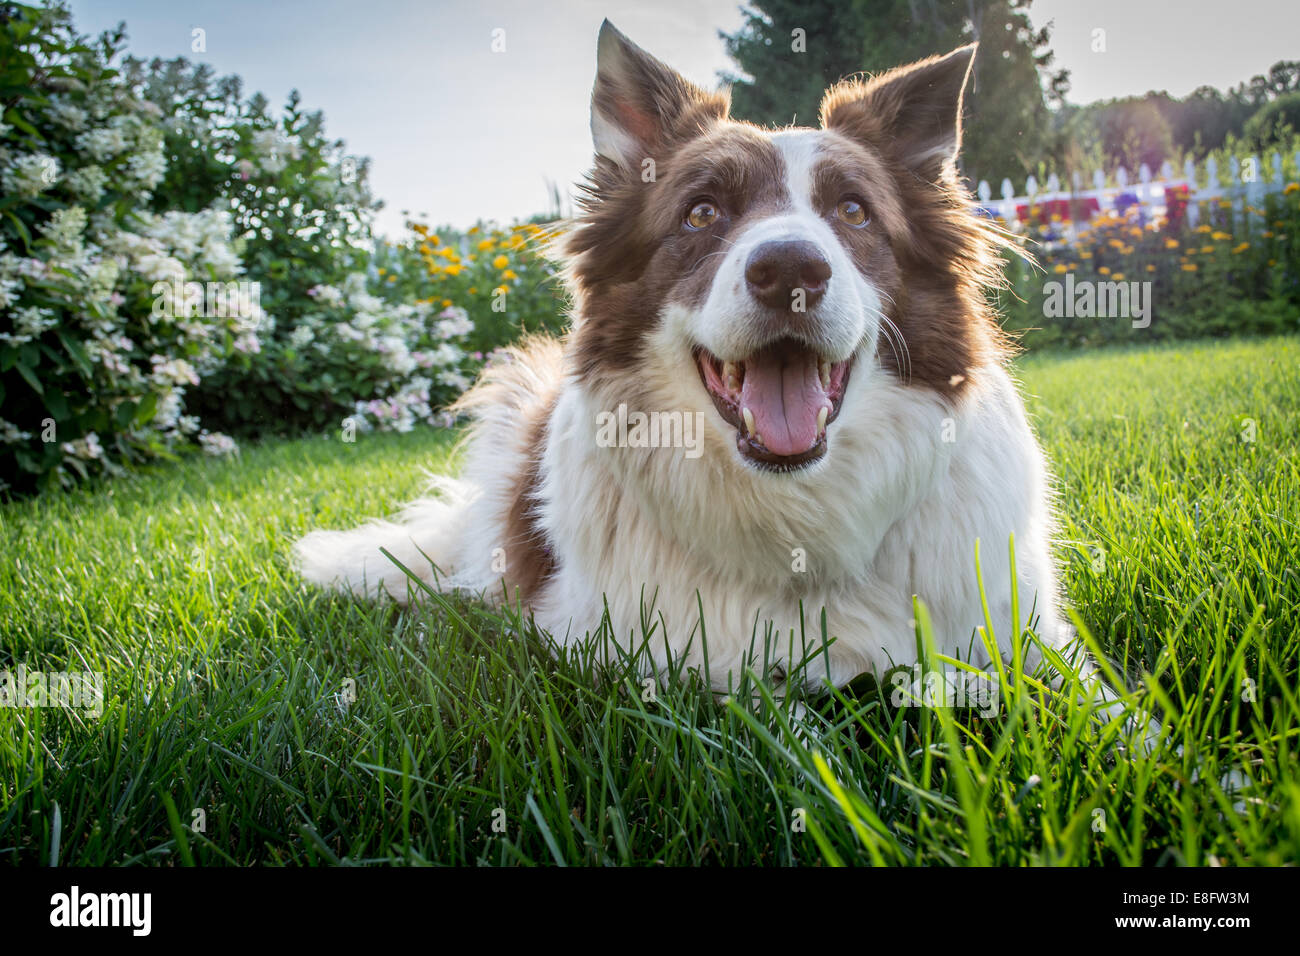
x,y
785,396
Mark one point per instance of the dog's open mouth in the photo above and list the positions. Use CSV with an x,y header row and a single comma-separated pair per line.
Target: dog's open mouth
x,y
780,401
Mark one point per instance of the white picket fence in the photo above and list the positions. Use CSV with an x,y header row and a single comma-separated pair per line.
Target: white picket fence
x,y
1246,184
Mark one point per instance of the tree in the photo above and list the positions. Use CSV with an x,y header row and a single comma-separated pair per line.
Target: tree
x,y
1008,131
1275,123
1134,132
1201,121
790,52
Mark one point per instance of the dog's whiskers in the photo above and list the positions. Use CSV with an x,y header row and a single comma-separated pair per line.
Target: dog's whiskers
x,y
894,336
896,343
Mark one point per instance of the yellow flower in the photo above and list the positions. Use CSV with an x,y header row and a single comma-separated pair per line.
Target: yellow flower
x,y
500,262
1242,247
446,303
453,269
1085,255
1204,229
392,278
1291,188
1061,267
474,231
509,274
1225,204
500,290
1104,270
1207,248
1150,267
382,271
1220,236
1171,243
1267,234
486,244
1118,277
1189,266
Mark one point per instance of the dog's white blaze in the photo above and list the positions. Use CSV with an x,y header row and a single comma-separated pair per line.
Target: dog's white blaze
x,y
799,149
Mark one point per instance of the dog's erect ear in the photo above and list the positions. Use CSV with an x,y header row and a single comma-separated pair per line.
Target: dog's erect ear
x,y
639,105
912,113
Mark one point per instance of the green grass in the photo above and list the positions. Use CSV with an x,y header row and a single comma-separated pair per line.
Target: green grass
x,y
467,743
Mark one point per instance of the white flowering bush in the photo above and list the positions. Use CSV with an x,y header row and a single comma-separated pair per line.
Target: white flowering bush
x,y
152,223
386,366
94,369
303,211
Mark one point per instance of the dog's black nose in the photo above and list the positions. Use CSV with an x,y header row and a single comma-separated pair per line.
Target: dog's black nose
x,y
778,268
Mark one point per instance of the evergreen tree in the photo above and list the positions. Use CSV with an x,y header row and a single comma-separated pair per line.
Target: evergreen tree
x,y
790,51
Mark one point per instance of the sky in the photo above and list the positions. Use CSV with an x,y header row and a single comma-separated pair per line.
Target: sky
x,y
457,131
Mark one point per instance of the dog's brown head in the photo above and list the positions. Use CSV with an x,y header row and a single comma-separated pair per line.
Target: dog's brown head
x,y
769,268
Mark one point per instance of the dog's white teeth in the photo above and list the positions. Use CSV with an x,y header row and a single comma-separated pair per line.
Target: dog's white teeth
x,y
731,374
824,371
746,414
821,418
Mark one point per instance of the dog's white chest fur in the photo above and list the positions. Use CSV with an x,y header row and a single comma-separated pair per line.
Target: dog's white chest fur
x,y
894,511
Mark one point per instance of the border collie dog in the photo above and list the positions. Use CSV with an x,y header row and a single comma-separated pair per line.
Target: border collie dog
x,y
807,309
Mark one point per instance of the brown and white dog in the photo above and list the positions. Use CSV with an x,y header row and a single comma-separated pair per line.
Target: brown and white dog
x,y
815,300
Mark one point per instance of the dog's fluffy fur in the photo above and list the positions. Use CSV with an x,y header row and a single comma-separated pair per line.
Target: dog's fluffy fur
x,y
927,449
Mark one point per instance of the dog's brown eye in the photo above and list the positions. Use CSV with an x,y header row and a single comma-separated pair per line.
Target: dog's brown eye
x,y
851,212
702,215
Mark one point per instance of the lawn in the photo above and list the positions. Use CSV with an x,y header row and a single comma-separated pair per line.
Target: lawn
x,y
250,719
